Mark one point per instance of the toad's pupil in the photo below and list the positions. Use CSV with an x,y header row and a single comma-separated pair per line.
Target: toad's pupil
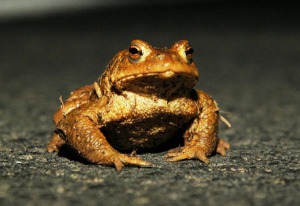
x,y
134,50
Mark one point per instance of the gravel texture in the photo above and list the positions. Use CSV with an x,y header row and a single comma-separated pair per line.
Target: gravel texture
x,y
248,57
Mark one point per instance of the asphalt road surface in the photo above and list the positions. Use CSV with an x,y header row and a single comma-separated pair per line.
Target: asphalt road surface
x,y
248,57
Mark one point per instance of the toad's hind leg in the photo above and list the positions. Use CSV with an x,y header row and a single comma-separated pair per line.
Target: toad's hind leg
x,y
77,98
222,147
55,143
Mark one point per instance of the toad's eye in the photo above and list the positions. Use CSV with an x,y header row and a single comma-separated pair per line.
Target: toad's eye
x,y
135,52
189,53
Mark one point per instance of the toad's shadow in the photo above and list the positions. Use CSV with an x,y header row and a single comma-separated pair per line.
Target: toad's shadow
x,y
71,154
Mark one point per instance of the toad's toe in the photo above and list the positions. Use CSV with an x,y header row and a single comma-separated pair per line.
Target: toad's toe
x,y
222,147
123,159
52,148
129,160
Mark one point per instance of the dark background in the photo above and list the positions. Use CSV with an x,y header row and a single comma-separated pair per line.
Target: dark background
x,y
248,54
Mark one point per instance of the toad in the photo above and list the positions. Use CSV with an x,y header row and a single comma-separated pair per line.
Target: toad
x,y
144,101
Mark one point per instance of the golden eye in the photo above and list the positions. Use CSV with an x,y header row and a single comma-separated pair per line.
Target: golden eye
x,y
135,52
189,53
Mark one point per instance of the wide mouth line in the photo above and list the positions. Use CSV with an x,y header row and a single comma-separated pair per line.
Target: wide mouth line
x,y
167,73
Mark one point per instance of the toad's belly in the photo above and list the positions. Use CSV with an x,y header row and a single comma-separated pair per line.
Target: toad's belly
x,y
153,134
133,122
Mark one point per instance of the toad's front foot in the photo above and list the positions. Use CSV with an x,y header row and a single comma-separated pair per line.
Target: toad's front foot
x,y
196,152
115,158
187,152
120,160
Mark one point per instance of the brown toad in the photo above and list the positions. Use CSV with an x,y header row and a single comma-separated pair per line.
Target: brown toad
x,y
144,101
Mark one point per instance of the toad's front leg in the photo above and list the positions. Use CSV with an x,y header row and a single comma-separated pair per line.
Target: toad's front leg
x,y
80,130
201,138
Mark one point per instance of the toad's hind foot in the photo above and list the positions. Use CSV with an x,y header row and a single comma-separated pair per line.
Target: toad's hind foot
x,y
222,147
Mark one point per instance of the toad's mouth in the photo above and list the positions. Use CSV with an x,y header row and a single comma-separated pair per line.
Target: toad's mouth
x,y
162,83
